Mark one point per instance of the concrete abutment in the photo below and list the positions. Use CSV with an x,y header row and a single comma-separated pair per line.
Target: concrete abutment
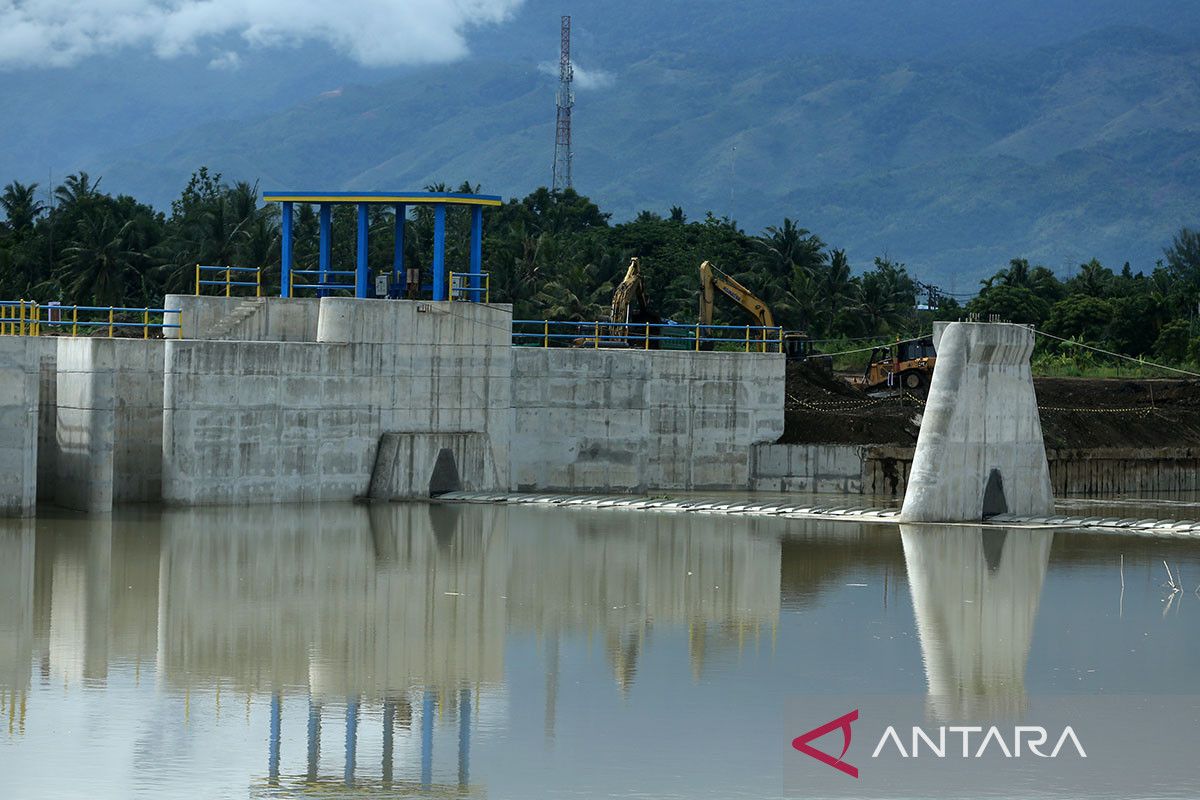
x,y
337,398
981,419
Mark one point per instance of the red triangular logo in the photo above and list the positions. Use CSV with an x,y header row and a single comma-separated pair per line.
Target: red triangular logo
x,y
801,743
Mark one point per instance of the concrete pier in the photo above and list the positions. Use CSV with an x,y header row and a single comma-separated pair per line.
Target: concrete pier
x,y
108,422
300,421
980,450
20,372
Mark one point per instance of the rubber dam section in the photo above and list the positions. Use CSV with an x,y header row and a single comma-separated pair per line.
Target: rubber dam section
x,y
263,400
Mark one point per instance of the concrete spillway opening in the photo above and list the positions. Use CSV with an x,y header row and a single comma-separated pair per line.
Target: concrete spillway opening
x,y
993,496
445,474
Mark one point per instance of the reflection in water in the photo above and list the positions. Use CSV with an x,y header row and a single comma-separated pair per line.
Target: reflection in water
x,y
975,593
388,621
16,621
427,650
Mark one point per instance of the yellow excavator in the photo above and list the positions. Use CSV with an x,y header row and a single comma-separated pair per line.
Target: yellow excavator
x,y
633,323
796,344
630,291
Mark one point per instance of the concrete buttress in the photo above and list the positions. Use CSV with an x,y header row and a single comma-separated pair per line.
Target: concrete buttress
x,y
980,450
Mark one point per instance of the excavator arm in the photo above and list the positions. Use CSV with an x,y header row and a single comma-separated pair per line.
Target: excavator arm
x,y
629,292
713,280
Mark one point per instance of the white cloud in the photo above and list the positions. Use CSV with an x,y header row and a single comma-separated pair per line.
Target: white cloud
x,y
584,78
229,60
372,32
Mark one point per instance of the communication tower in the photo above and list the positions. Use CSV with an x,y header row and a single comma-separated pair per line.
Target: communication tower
x,y
563,156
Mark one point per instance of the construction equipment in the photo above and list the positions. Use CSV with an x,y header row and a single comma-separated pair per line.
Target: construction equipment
x,y
712,279
629,291
903,367
636,324
796,344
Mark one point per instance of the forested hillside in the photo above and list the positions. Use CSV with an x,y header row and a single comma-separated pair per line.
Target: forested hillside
x,y
559,256
948,135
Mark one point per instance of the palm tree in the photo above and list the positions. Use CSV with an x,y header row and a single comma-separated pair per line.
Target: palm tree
x,y
217,225
77,189
790,247
836,289
99,265
21,205
566,296
1094,279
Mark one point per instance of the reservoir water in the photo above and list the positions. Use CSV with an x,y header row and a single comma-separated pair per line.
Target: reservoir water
x,y
434,650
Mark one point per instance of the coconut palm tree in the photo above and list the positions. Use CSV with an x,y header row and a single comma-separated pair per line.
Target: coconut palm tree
x,y
20,203
99,265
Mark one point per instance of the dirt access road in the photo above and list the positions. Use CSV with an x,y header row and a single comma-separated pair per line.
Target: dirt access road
x,y
1076,412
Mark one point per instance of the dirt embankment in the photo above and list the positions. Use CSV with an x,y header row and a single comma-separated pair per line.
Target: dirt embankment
x,y
1075,412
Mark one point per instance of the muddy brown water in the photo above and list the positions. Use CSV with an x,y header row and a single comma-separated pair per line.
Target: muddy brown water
x,y
482,651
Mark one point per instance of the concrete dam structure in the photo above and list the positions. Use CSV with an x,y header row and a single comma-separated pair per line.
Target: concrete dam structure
x,y
257,400
980,451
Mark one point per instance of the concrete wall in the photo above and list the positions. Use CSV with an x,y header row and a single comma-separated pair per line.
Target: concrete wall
x,y
286,422
47,451
244,319
981,416
1101,471
877,470
607,420
20,365
422,465
883,470
109,422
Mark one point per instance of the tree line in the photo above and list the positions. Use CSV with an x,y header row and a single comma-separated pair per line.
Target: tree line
x,y
557,255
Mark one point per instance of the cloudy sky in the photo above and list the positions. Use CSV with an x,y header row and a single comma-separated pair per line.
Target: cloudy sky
x,y
372,32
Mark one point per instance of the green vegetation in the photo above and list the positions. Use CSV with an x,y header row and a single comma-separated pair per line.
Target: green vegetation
x,y
953,164
558,256
1151,317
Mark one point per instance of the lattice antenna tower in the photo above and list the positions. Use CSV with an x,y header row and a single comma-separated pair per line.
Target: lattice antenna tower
x,y
563,157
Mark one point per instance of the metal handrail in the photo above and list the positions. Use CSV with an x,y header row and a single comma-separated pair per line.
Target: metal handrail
x,y
486,289
752,337
319,285
228,282
28,319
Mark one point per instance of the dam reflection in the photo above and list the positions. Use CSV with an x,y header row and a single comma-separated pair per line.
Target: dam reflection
x,y
975,593
386,621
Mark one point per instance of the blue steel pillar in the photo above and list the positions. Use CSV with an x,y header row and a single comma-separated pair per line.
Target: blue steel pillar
x,y
427,709
314,740
361,273
439,251
389,725
285,253
399,276
464,737
476,253
273,758
326,222
351,739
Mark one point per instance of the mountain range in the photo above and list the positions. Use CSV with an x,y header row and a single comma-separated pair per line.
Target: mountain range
x,y
951,135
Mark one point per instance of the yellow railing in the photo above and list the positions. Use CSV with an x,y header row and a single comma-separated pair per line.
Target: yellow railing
x,y
227,281
29,318
648,336
460,288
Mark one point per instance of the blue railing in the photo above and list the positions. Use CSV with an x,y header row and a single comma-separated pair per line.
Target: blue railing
x,y
462,286
26,318
228,282
648,335
322,284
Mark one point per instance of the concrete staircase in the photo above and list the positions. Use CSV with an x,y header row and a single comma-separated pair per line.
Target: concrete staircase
x,y
227,327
